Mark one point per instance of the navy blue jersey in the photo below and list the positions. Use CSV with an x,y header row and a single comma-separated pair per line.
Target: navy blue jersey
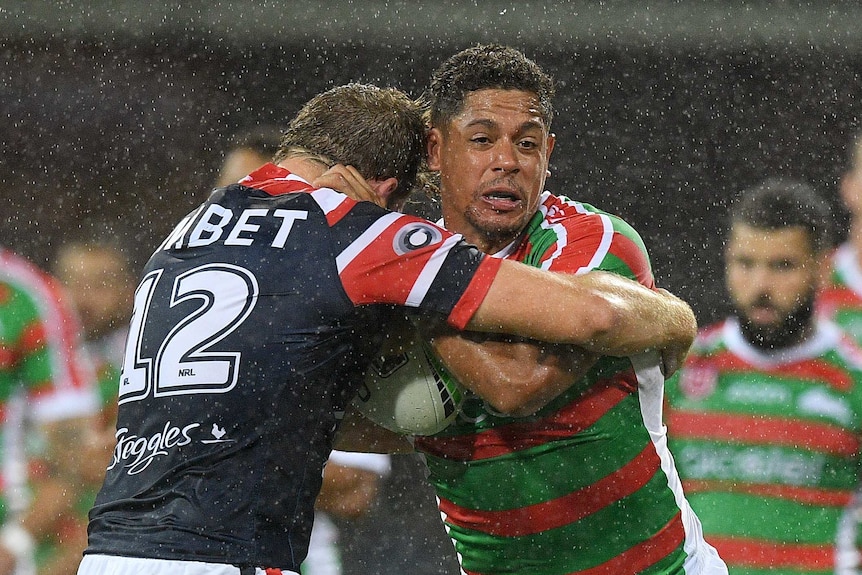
x,y
252,325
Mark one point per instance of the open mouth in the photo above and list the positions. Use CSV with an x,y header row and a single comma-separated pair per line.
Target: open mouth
x,y
502,200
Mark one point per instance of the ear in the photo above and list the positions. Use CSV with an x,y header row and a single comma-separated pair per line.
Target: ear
x,y
434,145
849,188
552,139
384,189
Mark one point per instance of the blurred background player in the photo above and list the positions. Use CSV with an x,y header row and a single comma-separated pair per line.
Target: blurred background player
x,y
48,404
97,278
100,283
841,296
763,418
840,300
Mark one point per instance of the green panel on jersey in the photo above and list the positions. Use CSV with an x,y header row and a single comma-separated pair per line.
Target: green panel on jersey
x,y
758,517
523,486
20,312
768,394
851,320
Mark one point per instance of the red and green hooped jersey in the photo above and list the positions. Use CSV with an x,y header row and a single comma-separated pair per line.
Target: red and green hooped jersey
x,y
767,445
841,298
585,485
42,377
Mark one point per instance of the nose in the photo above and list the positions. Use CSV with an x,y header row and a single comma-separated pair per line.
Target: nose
x,y
761,278
506,157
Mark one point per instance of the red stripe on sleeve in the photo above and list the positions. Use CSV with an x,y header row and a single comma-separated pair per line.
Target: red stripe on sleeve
x,y
630,253
475,293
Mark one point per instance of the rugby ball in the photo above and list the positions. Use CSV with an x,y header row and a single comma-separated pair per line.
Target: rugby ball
x,y
407,390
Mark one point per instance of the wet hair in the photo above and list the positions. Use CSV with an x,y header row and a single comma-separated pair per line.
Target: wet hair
x,y
779,203
490,66
378,131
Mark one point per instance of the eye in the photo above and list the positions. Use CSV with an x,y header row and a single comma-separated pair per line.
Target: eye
x,y
480,139
528,144
784,265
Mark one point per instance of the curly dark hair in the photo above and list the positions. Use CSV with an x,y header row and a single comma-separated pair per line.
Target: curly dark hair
x,y
486,67
779,203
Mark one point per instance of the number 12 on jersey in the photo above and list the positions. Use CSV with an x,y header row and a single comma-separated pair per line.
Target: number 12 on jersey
x,y
204,306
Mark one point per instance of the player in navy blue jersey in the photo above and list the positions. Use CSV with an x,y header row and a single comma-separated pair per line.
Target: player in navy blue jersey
x,y
255,318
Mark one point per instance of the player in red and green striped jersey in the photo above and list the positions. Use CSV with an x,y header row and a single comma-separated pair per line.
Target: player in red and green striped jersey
x,y
840,299
45,386
557,464
765,417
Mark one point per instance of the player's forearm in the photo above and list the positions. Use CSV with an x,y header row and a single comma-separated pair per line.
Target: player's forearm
x,y
602,312
357,433
515,377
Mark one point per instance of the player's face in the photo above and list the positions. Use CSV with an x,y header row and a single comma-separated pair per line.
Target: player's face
x,y
771,276
493,160
100,290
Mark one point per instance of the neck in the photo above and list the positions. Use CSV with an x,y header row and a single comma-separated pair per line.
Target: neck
x,y
305,167
487,242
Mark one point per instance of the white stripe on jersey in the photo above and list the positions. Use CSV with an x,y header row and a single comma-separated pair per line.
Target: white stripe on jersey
x,y
604,246
326,198
359,244
429,272
848,268
702,558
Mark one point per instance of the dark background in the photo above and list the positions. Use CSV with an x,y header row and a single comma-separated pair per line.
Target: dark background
x,y
114,118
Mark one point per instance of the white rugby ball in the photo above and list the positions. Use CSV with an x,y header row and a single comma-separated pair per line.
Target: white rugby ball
x,y
407,390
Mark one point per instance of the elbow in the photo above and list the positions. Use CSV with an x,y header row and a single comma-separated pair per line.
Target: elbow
x,y
604,320
521,397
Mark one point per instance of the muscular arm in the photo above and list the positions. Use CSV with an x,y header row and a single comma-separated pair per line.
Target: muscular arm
x,y
346,491
358,433
602,312
515,376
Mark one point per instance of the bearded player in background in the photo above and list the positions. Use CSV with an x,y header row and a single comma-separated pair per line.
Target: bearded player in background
x,y
763,418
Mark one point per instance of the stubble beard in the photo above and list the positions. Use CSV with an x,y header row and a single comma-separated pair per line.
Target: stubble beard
x,y
793,329
490,236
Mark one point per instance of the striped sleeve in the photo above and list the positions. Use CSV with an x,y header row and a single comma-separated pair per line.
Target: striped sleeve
x,y
574,237
403,260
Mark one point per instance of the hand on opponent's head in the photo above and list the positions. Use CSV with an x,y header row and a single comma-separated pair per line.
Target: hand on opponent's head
x,y
348,181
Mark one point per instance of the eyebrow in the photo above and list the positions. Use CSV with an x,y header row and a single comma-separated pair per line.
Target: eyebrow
x,y
528,125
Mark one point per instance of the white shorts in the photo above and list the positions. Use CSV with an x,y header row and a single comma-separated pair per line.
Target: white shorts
x,y
113,565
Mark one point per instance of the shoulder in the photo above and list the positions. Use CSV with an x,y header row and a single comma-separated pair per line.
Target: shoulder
x,y
26,284
592,238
